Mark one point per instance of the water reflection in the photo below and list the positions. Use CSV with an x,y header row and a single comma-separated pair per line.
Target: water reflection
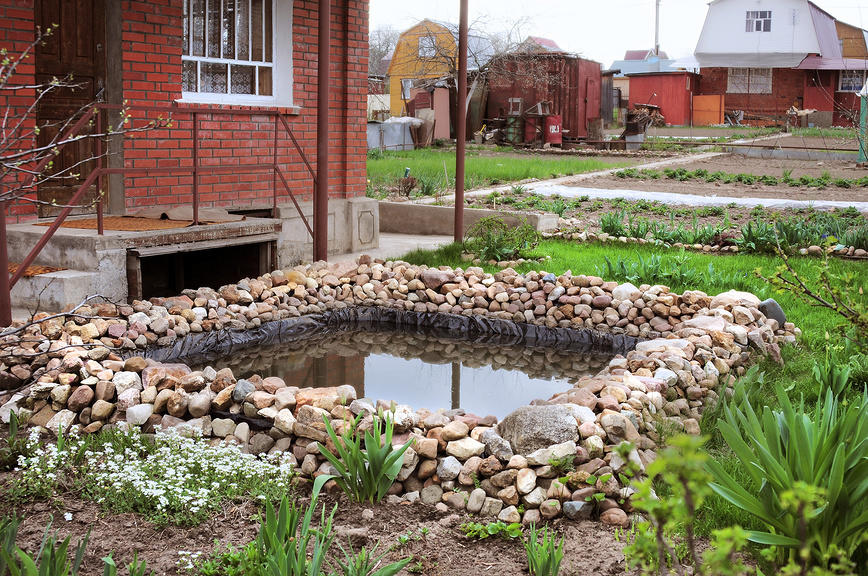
x,y
423,371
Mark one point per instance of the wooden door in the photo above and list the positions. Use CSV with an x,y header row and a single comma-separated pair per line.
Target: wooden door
x,y
75,50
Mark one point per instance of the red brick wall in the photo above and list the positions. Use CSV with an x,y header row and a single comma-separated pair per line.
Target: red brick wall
x,y
151,69
16,34
152,38
787,89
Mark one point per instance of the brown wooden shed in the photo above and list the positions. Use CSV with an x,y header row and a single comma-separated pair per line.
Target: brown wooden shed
x,y
570,83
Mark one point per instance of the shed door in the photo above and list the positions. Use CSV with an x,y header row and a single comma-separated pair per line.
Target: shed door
x,y
76,48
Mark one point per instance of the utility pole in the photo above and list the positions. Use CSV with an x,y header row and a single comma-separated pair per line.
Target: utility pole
x,y
461,126
657,29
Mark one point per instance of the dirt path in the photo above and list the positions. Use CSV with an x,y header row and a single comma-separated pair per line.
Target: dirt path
x,y
432,537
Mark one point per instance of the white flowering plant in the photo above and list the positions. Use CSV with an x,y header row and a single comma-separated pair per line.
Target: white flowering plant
x,y
168,479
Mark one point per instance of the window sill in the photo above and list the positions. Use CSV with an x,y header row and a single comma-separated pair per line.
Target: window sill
x,y
240,104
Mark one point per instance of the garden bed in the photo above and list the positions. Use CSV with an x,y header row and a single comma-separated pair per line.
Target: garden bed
x,y
735,164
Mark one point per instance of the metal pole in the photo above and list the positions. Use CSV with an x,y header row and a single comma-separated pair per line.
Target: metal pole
x,y
657,29
5,295
461,124
100,183
321,196
863,128
195,168
274,174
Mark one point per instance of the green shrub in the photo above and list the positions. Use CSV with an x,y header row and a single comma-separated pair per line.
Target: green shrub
x,y
479,531
364,563
493,239
544,554
287,544
365,475
809,472
612,223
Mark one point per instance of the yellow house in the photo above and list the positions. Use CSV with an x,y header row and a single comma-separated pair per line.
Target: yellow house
x,y
427,50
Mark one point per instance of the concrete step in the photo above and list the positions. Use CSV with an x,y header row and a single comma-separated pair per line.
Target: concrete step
x,y
53,292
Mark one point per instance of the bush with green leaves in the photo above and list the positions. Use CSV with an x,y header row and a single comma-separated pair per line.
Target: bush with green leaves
x,y
809,473
479,531
544,552
365,474
364,563
491,238
13,445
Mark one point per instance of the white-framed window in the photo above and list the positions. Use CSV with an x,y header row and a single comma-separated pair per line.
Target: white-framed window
x,y
749,81
427,46
758,21
851,80
237,52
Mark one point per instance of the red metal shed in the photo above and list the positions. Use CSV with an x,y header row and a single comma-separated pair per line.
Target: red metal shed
x,y
570,83
671,91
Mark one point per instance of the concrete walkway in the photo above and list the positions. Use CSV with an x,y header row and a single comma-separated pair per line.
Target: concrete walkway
x,y
396,245
575,178
547,189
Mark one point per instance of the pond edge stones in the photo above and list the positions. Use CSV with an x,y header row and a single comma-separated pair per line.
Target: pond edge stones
x,y
547,458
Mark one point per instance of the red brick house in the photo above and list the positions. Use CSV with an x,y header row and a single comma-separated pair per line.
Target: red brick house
x,y
765,56
246,66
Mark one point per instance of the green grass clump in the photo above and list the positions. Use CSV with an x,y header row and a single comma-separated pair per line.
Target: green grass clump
x,y
437,167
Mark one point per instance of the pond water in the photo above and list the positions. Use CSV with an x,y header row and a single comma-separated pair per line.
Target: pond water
x,y
423,371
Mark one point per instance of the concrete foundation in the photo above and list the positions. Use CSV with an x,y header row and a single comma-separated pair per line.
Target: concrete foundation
x,y
353,226
105,264
424,219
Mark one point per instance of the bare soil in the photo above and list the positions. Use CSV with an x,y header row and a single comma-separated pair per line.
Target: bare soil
x,y
590,547
734,164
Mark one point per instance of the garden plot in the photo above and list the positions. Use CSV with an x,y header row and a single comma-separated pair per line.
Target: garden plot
x,y
735,165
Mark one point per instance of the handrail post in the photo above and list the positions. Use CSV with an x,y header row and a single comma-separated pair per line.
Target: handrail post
x,y
100,182
274,172
195,167
5,294
321,194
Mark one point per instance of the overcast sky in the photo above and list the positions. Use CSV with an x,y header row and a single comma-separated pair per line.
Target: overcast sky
x,y
598,29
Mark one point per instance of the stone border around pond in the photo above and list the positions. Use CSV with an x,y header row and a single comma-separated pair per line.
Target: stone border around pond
x,y
692,346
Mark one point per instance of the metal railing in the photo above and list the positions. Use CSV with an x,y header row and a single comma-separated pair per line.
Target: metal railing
x,y
98,174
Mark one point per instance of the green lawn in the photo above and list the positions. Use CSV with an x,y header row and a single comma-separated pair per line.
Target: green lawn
x,y
482,168
726,272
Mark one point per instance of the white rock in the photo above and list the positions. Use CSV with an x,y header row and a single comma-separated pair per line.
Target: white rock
x,y
623,291
138,415
125,380
465,448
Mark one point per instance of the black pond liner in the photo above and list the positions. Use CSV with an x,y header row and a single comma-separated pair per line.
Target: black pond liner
x,y
197,349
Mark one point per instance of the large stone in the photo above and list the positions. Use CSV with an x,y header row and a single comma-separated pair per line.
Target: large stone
x,y
465,448
544,456
533,427
101,410
623,291
431,494
454,430
578,510
449,468
138,415
496,445
434,279
525,481
242,389
476,500
80,398
734,298
222,427
125,380
773,310
60,422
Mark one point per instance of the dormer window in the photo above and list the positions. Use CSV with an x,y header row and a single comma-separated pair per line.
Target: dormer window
x,y
758,21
